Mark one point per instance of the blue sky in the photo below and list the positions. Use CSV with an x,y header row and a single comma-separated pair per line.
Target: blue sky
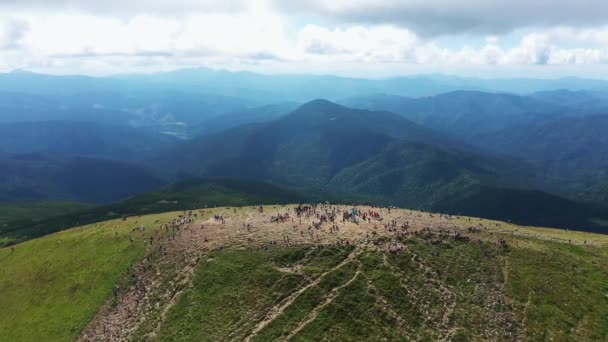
x,y
379,38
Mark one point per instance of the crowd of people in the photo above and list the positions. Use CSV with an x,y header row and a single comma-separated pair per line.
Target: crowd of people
x,y
309,224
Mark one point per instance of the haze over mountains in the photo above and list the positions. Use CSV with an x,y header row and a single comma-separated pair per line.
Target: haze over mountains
x,y
533,151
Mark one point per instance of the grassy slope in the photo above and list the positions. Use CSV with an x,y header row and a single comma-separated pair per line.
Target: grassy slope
x,y
564,290
555,289
235,286
52,286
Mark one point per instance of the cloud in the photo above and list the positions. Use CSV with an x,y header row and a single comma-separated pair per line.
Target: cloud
x,y
382,43
395,45
427,18
79,36
67,35
440,17
12,32
263,56
129,8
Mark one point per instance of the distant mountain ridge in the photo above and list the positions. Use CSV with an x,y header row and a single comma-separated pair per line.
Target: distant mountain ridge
x,y
467,114
291,87
163,111
306,146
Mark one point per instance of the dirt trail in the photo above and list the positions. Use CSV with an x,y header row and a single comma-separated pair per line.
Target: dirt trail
x,y
525,316
278,309
505,272
386,306
335,292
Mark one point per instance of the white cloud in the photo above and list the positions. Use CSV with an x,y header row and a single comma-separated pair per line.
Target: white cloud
x,y
395,45
533,49
382,43
79,36
89,35
425,17
256,36
234,35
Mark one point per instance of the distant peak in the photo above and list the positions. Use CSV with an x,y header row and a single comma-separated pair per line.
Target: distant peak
x,y
319,103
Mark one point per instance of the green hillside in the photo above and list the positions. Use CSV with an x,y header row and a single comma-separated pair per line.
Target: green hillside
x,y
51,287
506,282
460,295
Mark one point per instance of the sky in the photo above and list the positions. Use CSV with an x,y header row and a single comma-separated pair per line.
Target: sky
x,y
361,38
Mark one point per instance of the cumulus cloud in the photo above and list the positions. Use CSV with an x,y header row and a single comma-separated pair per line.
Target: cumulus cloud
x,y
441,17
357,43
107,37
425,17
534,49
402,46
259,36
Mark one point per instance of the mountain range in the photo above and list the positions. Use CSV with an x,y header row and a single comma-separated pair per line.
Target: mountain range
x,y
291,87
372,156
463,146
